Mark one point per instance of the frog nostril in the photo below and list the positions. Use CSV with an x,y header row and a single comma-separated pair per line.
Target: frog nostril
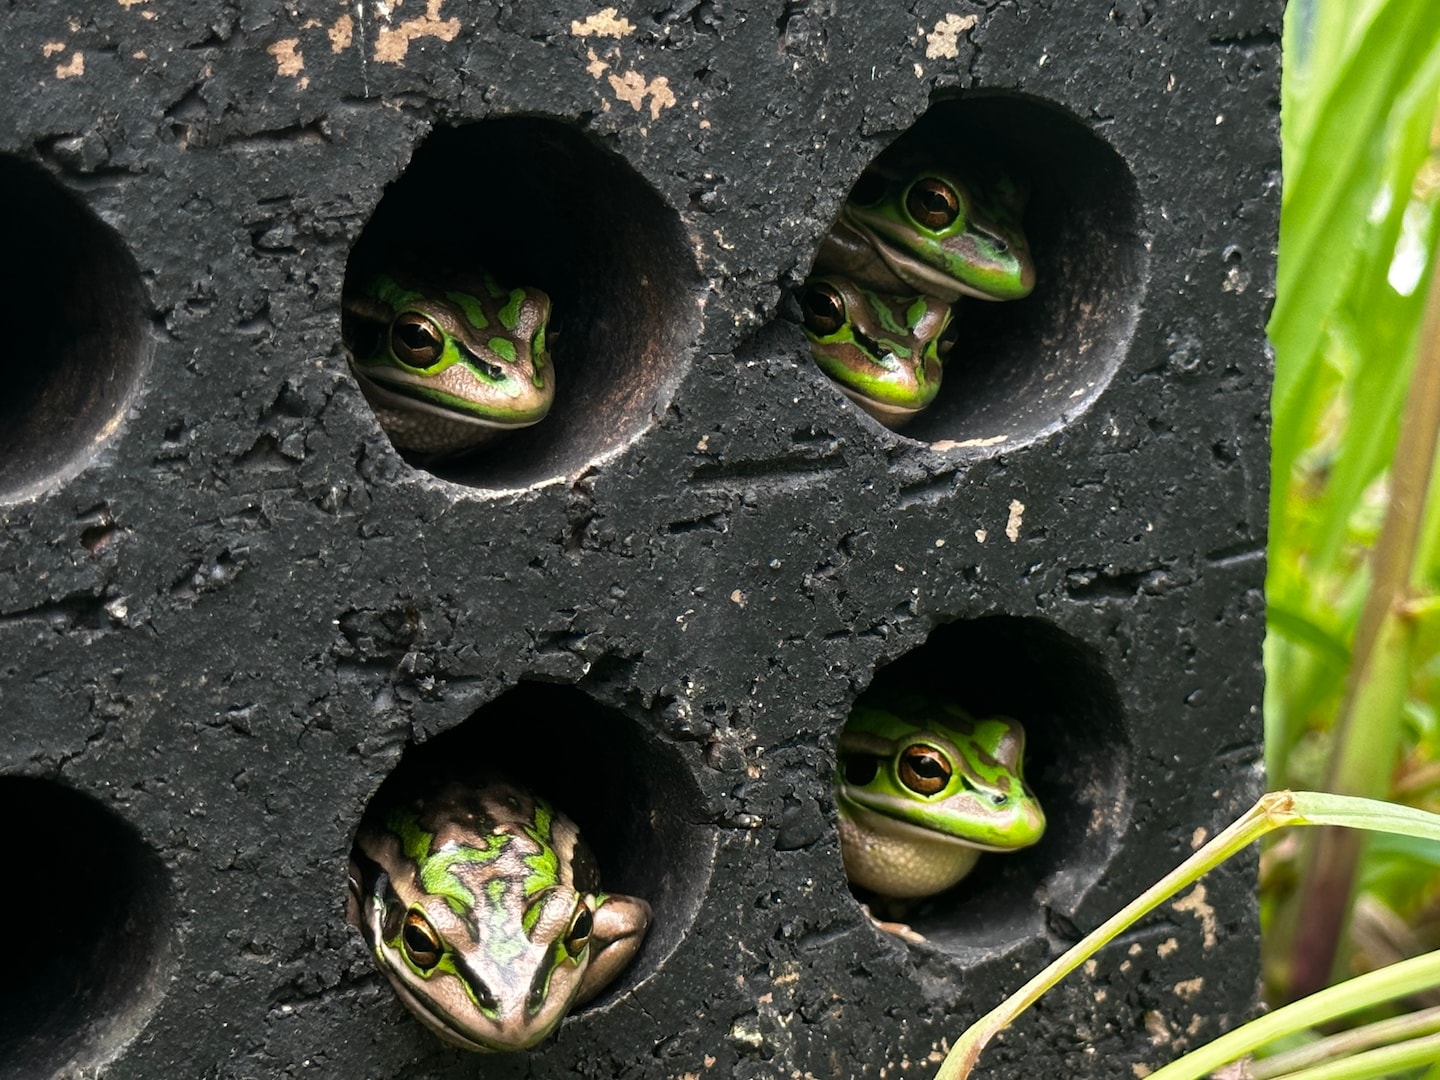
x,y
485,998
535,999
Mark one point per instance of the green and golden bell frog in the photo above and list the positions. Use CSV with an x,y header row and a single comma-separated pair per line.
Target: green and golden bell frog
x,y
884,352
481,905
923,789
448,368
935,231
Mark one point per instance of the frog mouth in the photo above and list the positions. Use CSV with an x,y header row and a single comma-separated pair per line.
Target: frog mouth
x,y
890,415
397,390
872,818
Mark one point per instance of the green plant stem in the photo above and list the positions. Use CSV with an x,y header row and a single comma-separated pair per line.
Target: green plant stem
x,y
1367,730
1249,827
1374,1063
1272,811
1372,988
1409,1026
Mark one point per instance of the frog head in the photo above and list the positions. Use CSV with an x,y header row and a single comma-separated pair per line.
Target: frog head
x,y
884,352
449,367
940,231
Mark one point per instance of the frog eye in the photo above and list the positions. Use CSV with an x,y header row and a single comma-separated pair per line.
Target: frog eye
x,y
868,190
924,770
415,340
578,936
933,203
422,944
823,308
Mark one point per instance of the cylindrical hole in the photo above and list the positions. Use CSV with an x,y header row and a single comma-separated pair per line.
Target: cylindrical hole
x,y
536,203
636,804
92,920
75,311
1022,368
1076,763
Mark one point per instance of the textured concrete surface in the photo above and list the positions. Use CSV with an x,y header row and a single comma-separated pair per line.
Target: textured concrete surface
x,y
227,607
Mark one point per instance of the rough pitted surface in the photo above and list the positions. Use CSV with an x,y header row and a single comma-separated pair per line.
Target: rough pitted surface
x,y
228,608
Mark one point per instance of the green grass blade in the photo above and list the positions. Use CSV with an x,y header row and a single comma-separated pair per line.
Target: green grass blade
x,y
1380,1033
1352,812
1413,976
1375,1064
1272,811
1329,195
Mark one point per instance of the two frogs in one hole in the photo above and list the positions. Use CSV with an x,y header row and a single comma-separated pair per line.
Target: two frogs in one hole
x,y
449,362
913,237
923,789
482,905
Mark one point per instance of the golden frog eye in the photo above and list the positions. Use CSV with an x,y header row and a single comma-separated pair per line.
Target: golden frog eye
x,y
416,340
933,203
823,308
422,944
581,926
924,770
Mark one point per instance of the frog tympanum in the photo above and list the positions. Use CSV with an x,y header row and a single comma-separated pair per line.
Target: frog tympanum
x,y
923,789
481,905
911,237
449,367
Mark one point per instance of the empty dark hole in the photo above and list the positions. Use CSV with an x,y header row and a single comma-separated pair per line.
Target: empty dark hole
x,y
90,921
570,217
1076,762
1021,368
634,801
73,306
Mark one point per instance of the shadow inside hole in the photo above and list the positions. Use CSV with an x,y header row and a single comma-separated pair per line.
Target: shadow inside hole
x,y
1076,763
71,295
536,203
92,944
1022,368
635,803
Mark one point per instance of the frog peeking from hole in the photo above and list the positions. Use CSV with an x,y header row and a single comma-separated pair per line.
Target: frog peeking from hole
x,y
482,905
923,790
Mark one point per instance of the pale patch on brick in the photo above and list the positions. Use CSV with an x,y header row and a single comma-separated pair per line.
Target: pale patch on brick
x,y
1012,524
943,43
604,23
1195,902
393,42
632,89
1188,988
341,33
289,61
